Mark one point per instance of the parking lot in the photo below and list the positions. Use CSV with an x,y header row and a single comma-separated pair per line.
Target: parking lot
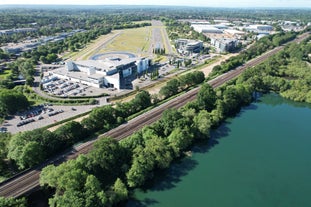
x,y
41,116
66,88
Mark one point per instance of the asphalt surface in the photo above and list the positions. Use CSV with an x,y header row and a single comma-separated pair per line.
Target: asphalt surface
x,y
68,112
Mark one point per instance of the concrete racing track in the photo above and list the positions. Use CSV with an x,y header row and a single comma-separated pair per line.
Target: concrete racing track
x,y
121,55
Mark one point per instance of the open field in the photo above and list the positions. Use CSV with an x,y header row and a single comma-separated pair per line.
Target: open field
x,y
93,47
139,41
136,41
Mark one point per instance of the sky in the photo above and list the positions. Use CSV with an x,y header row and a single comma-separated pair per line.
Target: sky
x,y
197,3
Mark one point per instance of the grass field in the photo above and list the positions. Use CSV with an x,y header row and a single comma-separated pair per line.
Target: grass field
x,y
92,48
136,41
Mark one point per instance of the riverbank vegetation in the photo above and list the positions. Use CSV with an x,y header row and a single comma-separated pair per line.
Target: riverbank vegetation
x,y
287,73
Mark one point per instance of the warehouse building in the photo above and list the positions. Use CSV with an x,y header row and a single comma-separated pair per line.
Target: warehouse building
x,y
258,28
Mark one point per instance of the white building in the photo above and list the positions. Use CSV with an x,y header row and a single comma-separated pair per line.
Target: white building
x,y
186,46
224,45
101,73
201,28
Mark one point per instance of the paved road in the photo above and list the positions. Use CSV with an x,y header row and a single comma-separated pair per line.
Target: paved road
x,y
167,42
158,33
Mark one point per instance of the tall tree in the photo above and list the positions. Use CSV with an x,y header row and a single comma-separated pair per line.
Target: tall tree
x,y
206,97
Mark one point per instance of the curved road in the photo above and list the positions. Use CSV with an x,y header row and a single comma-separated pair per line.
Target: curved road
x,y
28,181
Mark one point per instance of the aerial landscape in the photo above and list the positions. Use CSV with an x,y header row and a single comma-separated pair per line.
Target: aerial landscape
x,y
163,104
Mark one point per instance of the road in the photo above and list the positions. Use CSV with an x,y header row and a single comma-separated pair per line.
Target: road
x,y
160,38
28,181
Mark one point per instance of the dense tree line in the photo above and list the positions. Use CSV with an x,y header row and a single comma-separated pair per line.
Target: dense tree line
x,y
260,47
86,17
176,85
287,73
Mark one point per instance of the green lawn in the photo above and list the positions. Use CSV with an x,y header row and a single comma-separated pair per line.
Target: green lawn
x,y
136,41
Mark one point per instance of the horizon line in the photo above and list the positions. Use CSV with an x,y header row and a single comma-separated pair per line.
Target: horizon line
x,y
162,5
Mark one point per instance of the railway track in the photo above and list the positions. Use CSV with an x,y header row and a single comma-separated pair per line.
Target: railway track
x,y
27,182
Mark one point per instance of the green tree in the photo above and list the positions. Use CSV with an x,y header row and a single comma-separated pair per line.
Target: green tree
x,y
140,168
70,133
93,193
160,151
105,159
142,100
171,88
101,118
32,147
69,176
120,191
180,139
68,199
13,202
202,124
12,101
169,120
206,97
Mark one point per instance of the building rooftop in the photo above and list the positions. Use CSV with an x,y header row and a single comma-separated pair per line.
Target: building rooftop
x,y
77,74
234,32
106,64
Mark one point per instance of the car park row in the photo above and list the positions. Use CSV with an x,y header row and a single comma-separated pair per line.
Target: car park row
x,y
64,88
37,111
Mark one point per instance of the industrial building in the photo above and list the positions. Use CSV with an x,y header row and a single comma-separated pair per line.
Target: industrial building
x,y
206,28
10,32
18,48
109,73
235,33
186,46
258,28
224,45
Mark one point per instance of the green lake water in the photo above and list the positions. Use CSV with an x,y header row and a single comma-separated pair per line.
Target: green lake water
x,y
260,158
